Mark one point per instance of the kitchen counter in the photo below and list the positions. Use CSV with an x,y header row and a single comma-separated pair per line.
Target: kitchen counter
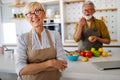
x,y
72,43
7,64
78,70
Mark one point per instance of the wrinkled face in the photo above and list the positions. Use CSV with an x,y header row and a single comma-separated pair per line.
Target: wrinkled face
x,y
35,16
88,10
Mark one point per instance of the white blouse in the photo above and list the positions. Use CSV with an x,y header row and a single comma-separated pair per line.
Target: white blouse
x,y
21,51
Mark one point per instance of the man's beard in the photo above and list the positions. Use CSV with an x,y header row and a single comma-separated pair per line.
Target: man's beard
x,y
87,17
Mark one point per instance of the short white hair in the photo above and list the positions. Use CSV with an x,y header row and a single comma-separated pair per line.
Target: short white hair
x,y
89,3
31,5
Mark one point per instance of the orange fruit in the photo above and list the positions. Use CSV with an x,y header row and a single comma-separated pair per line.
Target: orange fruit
x,y
90,38
104,54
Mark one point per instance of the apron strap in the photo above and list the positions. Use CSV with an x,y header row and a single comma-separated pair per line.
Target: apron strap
x,y
29,41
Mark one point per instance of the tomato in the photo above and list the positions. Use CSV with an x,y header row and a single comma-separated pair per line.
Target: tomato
x,y
89,54
83,53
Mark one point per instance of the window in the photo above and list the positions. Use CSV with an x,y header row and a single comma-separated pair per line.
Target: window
x,y
9,33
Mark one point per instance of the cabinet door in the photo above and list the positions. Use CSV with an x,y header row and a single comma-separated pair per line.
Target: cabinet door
x,y
8,76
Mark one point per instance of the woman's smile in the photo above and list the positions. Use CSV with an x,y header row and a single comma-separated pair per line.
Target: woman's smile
x,y
35,20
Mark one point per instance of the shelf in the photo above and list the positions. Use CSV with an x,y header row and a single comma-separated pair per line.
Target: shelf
x,y
17,5
49,1
107,9
9,45
18,18
72,1
70,41
71,22
114,41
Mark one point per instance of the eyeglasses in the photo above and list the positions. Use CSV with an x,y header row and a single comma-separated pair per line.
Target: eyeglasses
x,y
36,12
87,10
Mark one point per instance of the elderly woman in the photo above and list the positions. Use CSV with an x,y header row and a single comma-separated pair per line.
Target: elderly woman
x,y
39,54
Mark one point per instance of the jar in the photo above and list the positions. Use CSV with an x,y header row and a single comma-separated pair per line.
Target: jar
x,y
1,49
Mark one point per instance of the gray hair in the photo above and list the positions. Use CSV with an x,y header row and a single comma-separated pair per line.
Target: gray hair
x,y
33,5
89,3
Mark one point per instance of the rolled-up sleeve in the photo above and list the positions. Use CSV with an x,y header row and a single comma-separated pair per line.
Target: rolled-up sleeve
x,y
104,31
20,54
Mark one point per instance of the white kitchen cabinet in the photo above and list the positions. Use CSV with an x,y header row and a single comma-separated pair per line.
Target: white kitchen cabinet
x,y
8,76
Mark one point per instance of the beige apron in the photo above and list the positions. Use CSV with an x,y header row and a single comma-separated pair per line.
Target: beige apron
x,y
41,55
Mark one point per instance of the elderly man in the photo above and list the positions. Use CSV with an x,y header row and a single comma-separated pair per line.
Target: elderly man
x,y
91,31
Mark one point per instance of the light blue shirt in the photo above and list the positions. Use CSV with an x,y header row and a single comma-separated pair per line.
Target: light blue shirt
x,y
21,51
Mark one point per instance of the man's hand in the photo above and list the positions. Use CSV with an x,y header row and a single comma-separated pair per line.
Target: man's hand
x,y
81,22
92,38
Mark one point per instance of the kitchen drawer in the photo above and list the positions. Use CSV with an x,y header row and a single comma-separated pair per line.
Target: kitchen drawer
x,y
8,76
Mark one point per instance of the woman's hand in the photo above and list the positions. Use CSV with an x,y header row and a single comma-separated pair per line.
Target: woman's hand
x,y
58,64
49,65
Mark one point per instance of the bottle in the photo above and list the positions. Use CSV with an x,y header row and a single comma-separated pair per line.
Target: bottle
x,y
102,18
